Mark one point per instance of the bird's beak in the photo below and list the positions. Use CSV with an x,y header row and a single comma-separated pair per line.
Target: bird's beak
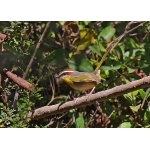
x,y
57,76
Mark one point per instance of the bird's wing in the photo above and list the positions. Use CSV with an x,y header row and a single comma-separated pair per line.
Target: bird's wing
x,y
83,78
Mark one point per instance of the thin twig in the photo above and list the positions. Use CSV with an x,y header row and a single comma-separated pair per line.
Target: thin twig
x,y
52,84
145,98
29,65
50,123
62,115
114,43
35,51
67,124
91,118
109,117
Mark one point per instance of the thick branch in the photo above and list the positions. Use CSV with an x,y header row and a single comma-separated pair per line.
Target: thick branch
x,y
100,96
20,81
30,64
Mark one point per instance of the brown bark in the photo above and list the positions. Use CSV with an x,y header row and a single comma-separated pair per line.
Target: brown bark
x,y
99,96
20,81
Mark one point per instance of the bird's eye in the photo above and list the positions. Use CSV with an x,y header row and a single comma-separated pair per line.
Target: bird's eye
x,y
60,74
68,72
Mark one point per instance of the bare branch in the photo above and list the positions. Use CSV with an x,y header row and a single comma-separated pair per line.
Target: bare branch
x,y
114,43
99,96
30,64
52,84
35,51
20,81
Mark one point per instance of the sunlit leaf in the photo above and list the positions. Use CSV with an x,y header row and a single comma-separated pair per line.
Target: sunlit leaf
x,y
142,93
107,33
116,67
87,37
97,48
130,70
126,125
133,43
135,108
111,67
129,97
80,121
134,93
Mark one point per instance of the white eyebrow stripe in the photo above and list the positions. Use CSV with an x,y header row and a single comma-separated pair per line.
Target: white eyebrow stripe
x,y
70,71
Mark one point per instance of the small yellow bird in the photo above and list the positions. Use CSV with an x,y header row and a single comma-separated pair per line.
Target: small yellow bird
x,y
80,80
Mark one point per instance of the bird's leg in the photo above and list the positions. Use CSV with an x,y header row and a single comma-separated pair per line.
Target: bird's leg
x,y
88,95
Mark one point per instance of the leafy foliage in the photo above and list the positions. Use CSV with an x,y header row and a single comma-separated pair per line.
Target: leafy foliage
x,y
80,46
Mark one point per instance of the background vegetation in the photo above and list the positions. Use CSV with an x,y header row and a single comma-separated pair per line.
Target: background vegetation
x,y
80,46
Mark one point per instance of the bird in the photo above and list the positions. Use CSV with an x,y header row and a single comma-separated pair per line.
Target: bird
x,y
82,81
85,80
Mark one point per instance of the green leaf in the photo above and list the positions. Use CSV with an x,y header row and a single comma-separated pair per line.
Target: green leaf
x,y
107,33
130,70
106,68
126,125
80,121
147,93
135,93
111,67
133,43
147,115
135,108
57,57
116,67
142,93
97,48
129,97
81,63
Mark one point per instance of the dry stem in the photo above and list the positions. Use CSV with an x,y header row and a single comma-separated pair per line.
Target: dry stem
x,y
35,51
